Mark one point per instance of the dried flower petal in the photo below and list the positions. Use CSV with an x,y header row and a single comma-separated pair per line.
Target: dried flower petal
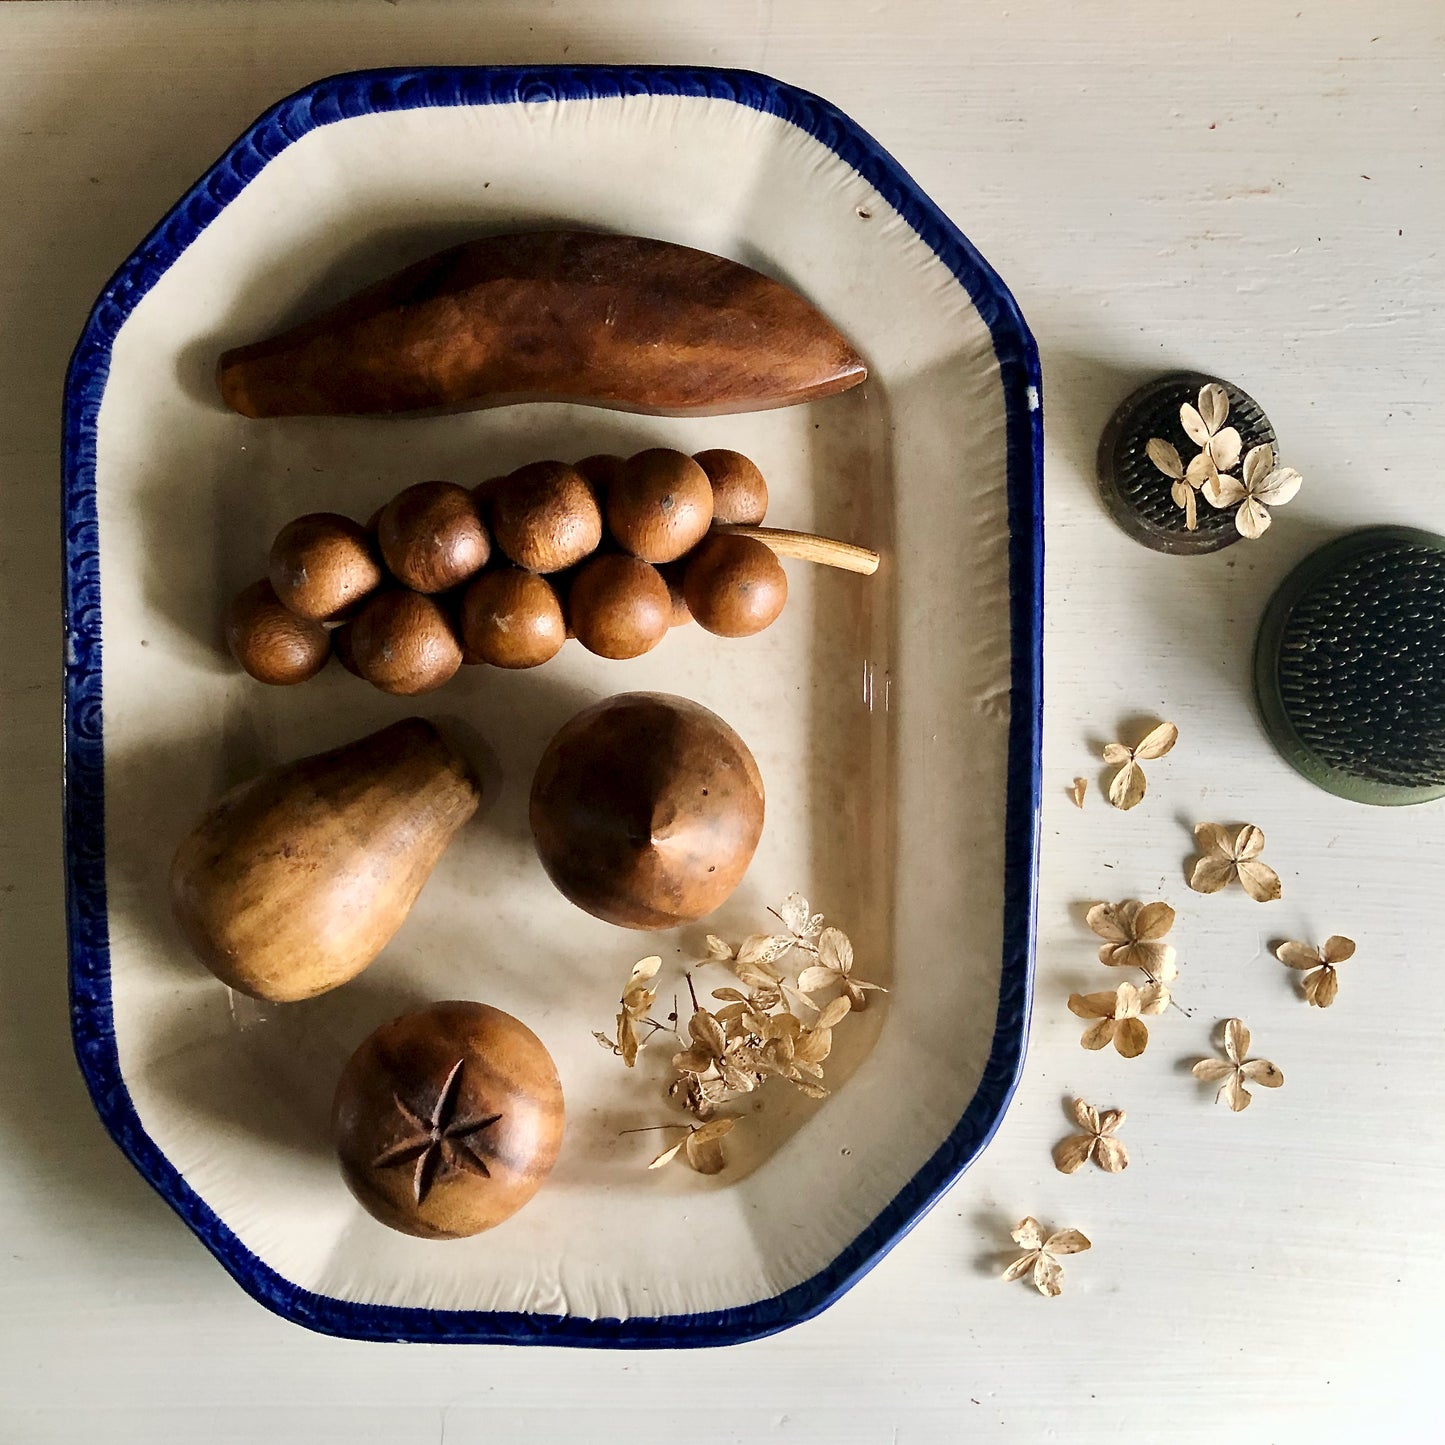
x,y
1213,405
1071,1154
1028,1233
1126,788
1157,742
1165,456
668,1155
1080,788
1223,449
642,970
1048,1275
1111,1156
1193,424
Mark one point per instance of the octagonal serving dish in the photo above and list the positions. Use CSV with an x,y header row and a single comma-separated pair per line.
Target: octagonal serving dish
x,y
895,719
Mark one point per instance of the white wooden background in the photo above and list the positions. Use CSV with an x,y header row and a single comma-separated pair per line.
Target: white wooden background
x,y
1248,188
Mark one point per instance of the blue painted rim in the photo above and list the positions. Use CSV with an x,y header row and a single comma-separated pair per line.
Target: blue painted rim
x,y
92,1027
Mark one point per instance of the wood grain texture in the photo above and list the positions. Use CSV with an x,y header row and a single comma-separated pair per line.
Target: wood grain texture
x,y
448,1120
617,321
295,880
646,809
1275,217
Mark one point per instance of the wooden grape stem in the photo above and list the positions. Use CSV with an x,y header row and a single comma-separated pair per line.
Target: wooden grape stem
x,y
808,548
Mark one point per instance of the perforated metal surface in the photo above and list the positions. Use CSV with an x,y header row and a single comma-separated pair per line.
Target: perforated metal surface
x,y
1351,666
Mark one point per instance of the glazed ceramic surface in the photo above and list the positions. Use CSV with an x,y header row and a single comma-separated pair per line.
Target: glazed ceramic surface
x,y
894,719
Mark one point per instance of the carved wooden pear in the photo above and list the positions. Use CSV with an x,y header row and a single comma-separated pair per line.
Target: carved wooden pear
x,y
646,810
297,879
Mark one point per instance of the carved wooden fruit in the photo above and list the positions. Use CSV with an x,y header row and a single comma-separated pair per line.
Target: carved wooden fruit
x,y
734,586
403,643
512,618
739,490
432,536
322,565
646,810
270,642
296,880
659,505
545,517
448,1120
618,606
616,321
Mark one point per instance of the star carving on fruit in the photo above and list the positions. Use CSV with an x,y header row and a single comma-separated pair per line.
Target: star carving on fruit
x,y
439,1141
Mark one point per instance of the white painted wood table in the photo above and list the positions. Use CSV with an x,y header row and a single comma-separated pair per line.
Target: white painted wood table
x,y
1249,189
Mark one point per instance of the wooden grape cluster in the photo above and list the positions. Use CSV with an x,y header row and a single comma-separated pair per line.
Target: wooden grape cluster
x,y
611,551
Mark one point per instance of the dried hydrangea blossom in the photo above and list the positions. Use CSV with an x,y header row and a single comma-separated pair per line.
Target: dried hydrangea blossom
x,y
1039,1261
1264,485
1133,934
835,966
755,1034
1323,983
1227,856
1118,1016
1237,1069
1126,788
1097,1142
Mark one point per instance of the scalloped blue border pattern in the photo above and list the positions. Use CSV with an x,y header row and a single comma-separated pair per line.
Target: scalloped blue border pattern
x,y
362,93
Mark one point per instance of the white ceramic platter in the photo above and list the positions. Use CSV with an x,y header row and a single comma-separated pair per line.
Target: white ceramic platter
x,y
895,719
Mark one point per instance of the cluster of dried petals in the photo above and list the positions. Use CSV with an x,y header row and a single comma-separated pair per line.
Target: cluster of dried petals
x,y
1117,1016
1227,857
1097,1142
636,1004
1259,486
1039,1259
700,1148
1133,935
756,1033
1233,1071
1126,788
835,968
1321,982
1219,448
